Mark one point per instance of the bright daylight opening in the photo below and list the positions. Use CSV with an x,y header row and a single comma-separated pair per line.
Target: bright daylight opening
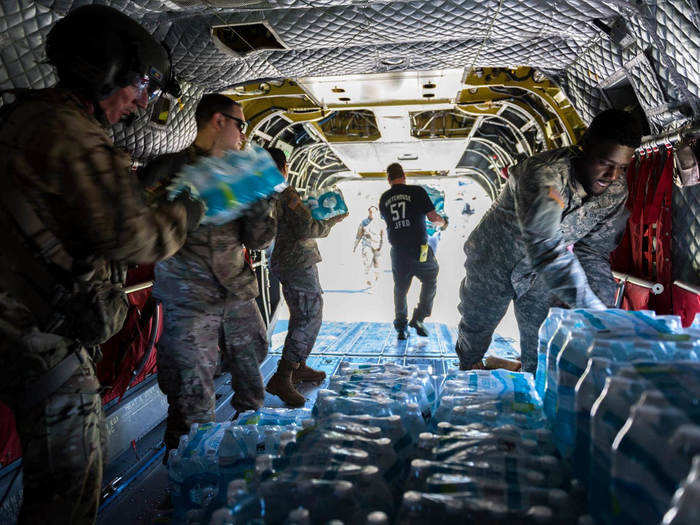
x,y
347,298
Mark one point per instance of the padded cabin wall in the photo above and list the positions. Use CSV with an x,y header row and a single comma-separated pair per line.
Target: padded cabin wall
x,y
685,244
24,25
661,64
341,37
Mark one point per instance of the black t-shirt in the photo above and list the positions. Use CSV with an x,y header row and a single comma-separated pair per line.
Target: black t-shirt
x,y
404,207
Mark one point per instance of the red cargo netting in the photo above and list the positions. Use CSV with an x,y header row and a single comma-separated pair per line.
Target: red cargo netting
x,y
10,448
133,348
686,304
645,250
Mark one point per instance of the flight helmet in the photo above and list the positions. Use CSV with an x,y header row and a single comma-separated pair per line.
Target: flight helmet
x,y
97,50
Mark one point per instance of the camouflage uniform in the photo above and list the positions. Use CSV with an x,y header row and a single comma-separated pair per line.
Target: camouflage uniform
x,y
519,252
209,290
58,156
294,260
370,234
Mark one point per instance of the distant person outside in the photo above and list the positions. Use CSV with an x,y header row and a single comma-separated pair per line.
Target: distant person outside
x,y
370,235
404,209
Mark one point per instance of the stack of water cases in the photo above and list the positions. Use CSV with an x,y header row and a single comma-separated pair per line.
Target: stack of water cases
x,y
213,455
349,462
489,457
621,393
325,203
437,197
229,185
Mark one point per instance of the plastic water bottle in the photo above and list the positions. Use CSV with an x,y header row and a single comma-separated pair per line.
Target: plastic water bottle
x,y
423,474
237,454
487,504
572,366
354,428
546,331
417,509
588,389
608,414
517,387
642,481
267,416
377,518
685,506
298,516
391,426
324,499
558,340
677,380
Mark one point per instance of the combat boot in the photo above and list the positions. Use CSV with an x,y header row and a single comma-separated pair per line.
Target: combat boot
x,y
421,330
306,373
476,365
280,384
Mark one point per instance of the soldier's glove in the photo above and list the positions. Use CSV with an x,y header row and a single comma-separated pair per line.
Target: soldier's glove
x,y
687,164
447,222
195,209
260,208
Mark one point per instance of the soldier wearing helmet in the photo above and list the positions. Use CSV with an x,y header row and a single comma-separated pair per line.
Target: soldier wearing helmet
x,y
71,219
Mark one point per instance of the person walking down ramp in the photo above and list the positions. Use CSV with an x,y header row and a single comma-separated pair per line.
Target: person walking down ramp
x,y
370,235
404,209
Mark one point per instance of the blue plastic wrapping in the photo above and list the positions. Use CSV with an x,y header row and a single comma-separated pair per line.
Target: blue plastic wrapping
x,y
230,184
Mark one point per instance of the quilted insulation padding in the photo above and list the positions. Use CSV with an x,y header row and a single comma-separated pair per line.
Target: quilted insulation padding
x,y
685,245
670,31
335,37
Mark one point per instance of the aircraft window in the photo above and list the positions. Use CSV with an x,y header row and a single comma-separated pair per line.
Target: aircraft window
x,y
622,96
350,125
242,39
440,124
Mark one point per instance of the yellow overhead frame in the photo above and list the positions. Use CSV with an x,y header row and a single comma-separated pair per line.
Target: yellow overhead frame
x,y
382,174
262,99
525,78
288,98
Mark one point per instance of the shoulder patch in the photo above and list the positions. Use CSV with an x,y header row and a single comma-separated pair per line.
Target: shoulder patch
x,y
556,197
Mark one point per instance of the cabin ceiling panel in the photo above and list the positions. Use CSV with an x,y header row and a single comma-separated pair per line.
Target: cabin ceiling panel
x,y
337,37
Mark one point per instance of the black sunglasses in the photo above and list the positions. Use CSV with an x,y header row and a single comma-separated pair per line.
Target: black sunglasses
x,y
242,124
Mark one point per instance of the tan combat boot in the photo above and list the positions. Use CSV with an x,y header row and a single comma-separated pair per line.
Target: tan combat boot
x,y
280,384
305,373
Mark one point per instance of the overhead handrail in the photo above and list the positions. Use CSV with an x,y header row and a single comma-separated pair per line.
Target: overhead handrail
x,y
671,137
656,288
138,287
687,287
